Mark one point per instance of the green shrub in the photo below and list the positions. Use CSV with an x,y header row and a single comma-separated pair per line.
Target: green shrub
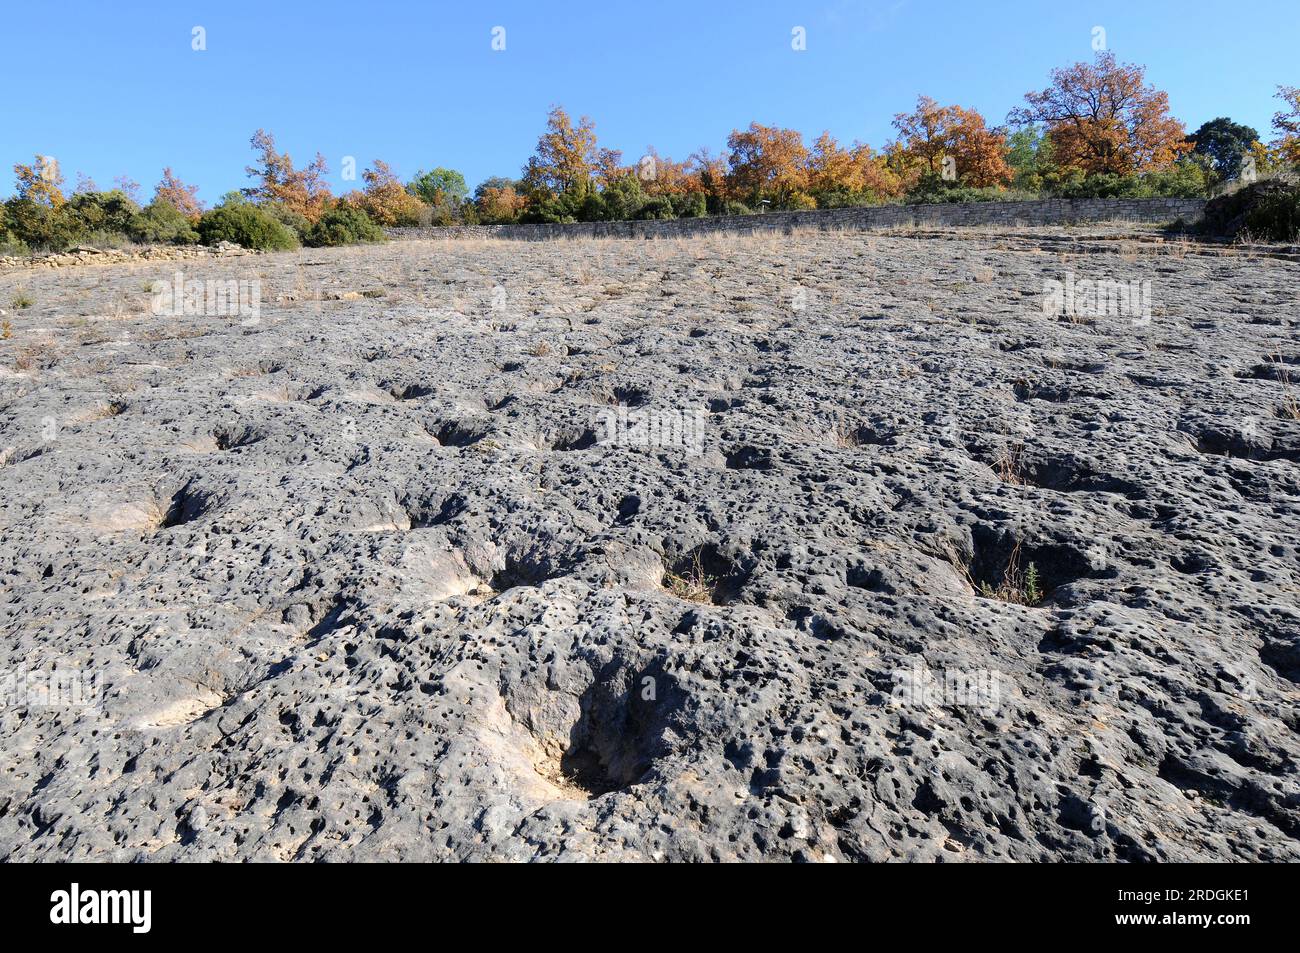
x,y
295,222
40,227
656,207
344,225
690,205
163,223
245,225
102,212
623,199
732,207
565,207
933,189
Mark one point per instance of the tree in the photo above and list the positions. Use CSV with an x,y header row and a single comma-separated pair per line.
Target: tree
x,y
933,132
439,187
385,199
565,157
498,200
707,173
1223,142
184,198
767,162
1286,122
833,172
660,175
301,191
1102,117
40,183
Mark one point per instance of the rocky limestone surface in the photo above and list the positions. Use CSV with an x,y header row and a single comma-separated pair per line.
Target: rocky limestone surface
x,y
811,547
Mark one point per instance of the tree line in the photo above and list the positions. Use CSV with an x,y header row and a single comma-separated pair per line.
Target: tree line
x,y
1097,130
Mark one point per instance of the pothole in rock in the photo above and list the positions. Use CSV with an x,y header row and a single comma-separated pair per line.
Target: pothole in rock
x,y
411,391
1063,474
1020,572
576,439
706,575
460,433
750,458
235,436
528,568
185,506
631,396
1247,446
627,717
427,511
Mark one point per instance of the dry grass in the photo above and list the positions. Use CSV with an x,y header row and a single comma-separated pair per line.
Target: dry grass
x,y
694,585
1009,464
1290,408
1018,587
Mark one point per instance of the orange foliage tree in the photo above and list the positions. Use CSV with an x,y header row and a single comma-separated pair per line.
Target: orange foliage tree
x,y
858,170
302,191
184,198
1287,124
660,175
499,201
385,198
767,162
566,156
1102,117
932,132
41,182
707,173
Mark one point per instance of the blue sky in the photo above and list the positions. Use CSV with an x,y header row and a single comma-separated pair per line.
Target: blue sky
x,y
115,88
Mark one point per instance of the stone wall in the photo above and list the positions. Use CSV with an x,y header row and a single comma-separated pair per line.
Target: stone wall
x,y
1040,212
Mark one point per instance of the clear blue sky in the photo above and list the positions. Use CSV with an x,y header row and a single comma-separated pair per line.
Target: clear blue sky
x,y
114,87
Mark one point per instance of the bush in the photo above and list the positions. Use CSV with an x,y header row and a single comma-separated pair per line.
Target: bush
x,y
656,207
1268,210
344,225
732,207
933,189
296,222
102,212
40,227
245,225
690,205
623,199
163,223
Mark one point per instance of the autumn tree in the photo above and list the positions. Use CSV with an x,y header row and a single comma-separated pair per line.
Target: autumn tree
x,y
1286,122
301,191
1102,117
933,132
565,158
660,175
40,183
385,199
832,170
707,173
184,198
767,162
499,200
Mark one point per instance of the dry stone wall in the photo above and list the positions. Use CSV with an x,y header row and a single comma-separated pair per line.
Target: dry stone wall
x,y
1040,212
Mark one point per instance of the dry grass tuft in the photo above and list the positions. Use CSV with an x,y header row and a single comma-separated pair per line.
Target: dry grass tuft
x,y
694,585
